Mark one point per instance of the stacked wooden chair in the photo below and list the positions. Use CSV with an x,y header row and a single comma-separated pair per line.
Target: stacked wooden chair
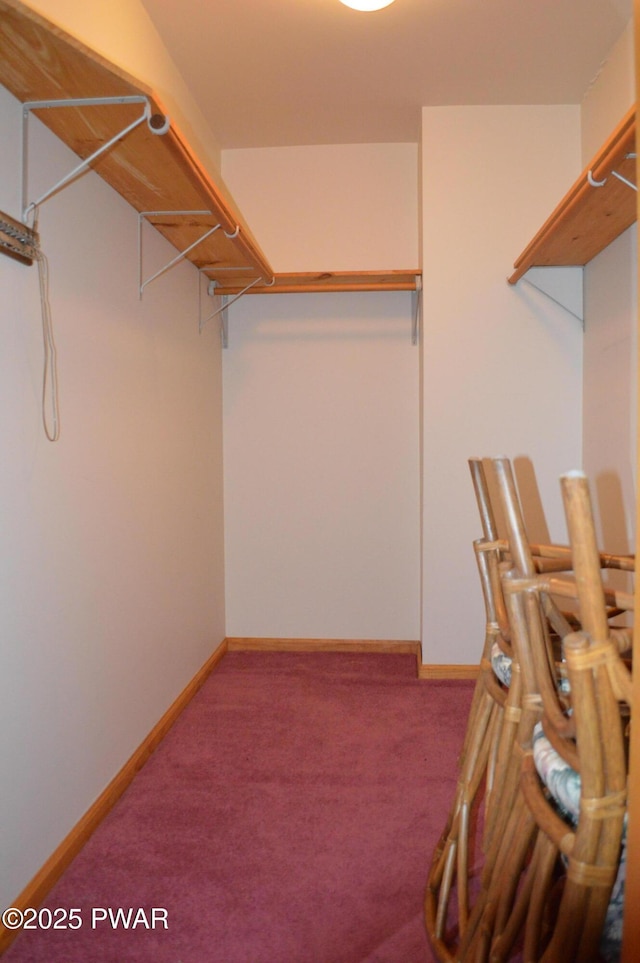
x,y
547,889
485,779
527,697
588,923
449,887
491,732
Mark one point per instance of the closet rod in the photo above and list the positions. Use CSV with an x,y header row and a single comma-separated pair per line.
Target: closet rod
x,y
625,180
311,282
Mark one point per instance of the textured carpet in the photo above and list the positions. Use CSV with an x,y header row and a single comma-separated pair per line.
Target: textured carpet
x,y
288,817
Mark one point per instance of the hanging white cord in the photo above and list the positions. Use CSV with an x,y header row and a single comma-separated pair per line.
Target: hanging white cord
x,y
50,372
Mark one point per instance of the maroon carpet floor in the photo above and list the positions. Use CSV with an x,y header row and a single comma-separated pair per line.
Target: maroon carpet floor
x,y
288,817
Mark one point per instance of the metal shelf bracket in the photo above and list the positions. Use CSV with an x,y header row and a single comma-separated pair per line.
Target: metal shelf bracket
x,y
182,254
158,124
562,285
416,303
224,319
227,302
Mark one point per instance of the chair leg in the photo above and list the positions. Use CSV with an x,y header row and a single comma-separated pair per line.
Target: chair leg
x,y
450,865
499,886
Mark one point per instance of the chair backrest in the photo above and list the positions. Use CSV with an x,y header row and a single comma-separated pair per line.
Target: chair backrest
x,y
519,546
586,564
490,553
582,724
483,498
599,682
528,615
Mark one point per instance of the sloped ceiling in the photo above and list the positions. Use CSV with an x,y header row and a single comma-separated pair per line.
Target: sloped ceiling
x,y
292,72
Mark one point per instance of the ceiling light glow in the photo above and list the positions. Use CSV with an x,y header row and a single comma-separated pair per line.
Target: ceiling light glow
x,y
366,4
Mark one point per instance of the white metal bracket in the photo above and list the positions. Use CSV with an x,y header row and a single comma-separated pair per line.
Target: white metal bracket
x,y
416,304
224,320
562,285
179,257
157,124
227,302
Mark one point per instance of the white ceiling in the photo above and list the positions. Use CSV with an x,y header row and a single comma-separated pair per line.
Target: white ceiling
x,y
272,73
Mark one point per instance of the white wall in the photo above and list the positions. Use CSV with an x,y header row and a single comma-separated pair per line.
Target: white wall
x,y
321,438
112,592
610,95
322,468
610,288
340,207
609,427
502,365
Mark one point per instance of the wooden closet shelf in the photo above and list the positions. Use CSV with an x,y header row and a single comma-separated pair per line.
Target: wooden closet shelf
x,y
588,218
153,172
310,282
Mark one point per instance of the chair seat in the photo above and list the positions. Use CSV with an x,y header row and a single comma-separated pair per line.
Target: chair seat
x,y
563,783
561,780
501,664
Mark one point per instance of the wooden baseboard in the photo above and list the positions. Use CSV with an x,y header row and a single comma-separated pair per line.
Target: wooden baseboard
x,y
455,672
386,646
251,644
397,646
35,891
